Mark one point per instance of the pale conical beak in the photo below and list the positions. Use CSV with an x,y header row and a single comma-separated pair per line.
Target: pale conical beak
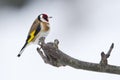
x,y
50,17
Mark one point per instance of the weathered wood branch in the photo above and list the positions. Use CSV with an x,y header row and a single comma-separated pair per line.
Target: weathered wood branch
x,y
52,55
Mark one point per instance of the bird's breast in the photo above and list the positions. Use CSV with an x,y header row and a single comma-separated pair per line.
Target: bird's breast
x,y
43,33
45,26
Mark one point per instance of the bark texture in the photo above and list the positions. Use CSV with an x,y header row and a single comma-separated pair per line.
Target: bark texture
x,y
52,55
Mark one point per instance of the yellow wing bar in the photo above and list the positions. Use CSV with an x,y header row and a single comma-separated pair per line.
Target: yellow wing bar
x,y
31,36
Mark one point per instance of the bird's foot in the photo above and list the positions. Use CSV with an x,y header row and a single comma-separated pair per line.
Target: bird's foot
x,y
42,40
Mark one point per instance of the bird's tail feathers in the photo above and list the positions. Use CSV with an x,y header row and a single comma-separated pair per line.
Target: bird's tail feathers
x,y
23,48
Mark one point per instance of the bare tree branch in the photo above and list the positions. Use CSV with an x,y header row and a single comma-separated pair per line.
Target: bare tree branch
x,y
55,57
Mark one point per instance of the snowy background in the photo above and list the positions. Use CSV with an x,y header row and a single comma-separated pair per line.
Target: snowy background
x,y
83,27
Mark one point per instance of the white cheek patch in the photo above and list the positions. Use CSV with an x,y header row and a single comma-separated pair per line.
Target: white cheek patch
x,y
41,16
44,20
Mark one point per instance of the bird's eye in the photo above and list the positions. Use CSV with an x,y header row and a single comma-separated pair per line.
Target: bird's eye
x,y
45,17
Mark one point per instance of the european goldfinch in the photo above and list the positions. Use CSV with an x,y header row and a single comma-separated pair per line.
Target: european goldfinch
x,y
40,28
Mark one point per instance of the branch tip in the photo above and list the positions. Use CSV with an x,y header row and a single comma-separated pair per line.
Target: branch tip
x,y
112,45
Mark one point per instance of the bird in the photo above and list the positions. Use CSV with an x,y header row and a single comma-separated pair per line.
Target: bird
x,y
40,28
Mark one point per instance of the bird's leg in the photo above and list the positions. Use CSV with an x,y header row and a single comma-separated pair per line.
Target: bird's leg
x,y
56,42
41,41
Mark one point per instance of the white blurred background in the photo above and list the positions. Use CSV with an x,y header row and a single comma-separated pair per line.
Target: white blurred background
x,y
83,27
